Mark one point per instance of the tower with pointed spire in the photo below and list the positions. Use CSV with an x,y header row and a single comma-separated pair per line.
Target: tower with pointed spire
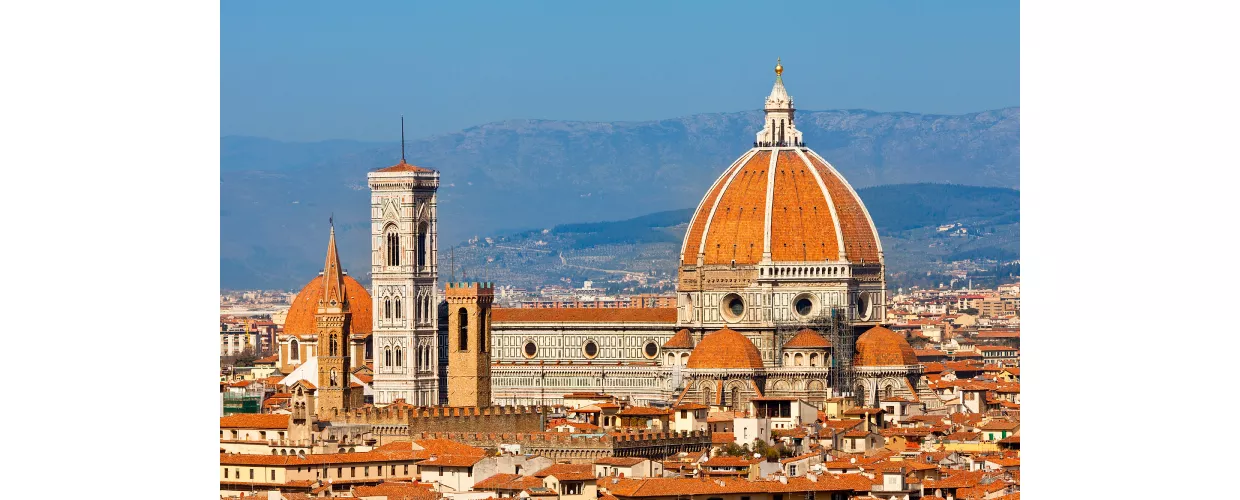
x,y
404,272
331,319
779,128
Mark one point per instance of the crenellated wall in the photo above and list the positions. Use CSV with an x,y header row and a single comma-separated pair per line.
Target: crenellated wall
x,y
447,418
561,446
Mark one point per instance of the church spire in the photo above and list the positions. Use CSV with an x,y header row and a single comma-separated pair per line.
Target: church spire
x,y
778,128
333,277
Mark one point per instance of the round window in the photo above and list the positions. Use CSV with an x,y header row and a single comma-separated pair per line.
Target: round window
x,y
651,350
804,306
590,349
733,306
530,349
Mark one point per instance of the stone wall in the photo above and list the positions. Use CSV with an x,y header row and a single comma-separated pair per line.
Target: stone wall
x,y
565,447
446,418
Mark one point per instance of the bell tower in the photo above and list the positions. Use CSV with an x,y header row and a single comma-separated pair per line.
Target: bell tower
x,y
403,272
331,320
469,350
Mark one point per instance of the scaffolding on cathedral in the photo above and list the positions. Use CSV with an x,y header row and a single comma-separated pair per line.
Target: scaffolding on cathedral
x,y
833,325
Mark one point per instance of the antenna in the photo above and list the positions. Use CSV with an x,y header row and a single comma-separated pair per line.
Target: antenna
x,y
402,138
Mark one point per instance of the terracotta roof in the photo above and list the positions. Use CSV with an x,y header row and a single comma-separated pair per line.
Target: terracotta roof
x,y
404,167
619,461
397,491
725,349
586,315
642,411
254,421
722,438
682,340
300,319
691,406
732,217
568,472
807,339
672,487
451,461
879,346
1000,425
515,482
726,461
798,458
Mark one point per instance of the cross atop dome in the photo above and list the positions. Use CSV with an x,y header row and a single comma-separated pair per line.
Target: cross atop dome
x,y
779,128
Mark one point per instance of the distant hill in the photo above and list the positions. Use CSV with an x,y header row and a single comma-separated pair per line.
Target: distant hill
x,y
908,217
503,177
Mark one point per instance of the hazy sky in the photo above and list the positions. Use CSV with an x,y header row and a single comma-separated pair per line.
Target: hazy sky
x,y
308,71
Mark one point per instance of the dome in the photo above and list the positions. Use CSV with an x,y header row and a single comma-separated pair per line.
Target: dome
x,y
807,339
879,346
724,349
803,211
300,319
780,199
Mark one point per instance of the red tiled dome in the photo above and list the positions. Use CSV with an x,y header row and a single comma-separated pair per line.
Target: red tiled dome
x,y
807,339
807,201
725,348
879,346
300,319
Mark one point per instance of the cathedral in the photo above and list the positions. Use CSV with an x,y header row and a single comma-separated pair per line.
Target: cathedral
x,y
779,244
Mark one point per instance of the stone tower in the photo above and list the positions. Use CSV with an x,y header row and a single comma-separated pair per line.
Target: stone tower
x,y
332,322
469,353
403,281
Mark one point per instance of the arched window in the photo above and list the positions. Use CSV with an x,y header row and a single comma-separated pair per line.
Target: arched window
x,y
293,350
393,247
332,349
387,356
423,248
735,398
398,361
463,333
387,308
887,392
398,308
813,359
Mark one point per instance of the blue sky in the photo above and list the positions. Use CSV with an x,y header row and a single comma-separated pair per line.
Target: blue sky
x,y
305,71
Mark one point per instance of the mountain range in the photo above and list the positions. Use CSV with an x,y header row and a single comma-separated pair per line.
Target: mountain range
x,y
505,177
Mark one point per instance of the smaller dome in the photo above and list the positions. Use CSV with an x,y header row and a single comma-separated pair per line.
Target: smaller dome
x,y
807,339
879,346
682,340
301,321
725,349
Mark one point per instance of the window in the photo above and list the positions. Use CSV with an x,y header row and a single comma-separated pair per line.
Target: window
x,y
352,471
398,308
462,318
406,469
398,360
338,471
387,308
251,473
226,473
393,247
887,391
733,307
423,249
387,356
393,470
804,306
482,330
651,350
573,488
332,348
366,471
590,349
273,475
